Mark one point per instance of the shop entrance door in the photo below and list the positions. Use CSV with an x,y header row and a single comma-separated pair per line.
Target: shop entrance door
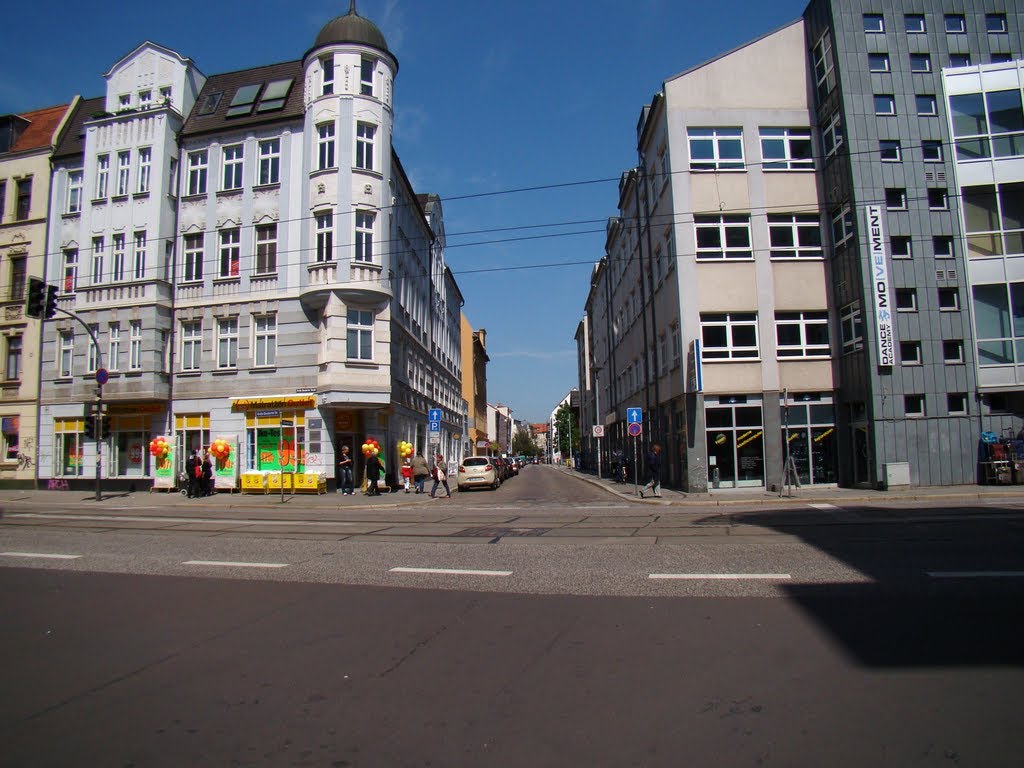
x,y
735,443
861,465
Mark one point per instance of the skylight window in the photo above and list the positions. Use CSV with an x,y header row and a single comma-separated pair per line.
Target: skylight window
x,y
210,103
275,95
244,99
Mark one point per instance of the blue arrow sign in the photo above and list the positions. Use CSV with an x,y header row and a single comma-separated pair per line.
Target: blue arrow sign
x,y
634,416
434,414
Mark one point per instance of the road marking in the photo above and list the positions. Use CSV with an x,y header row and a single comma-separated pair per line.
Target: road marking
x,y
45,555
454,571
166,519
229,564
720,576
824,506
976,574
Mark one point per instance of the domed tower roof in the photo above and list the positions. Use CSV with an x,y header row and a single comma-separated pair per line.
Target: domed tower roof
x,y
352,28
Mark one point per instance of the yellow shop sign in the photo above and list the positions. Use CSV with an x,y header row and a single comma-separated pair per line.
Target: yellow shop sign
x,y
282,402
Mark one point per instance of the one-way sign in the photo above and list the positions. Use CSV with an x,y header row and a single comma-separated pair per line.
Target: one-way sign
x,y
434,414
634,416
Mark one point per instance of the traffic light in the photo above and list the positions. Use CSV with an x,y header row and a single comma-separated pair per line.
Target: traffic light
x,y
51,301
36,298
90,427
104,426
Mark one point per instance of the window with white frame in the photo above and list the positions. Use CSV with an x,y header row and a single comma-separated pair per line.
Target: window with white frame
x,y
953,351
988,124
956,403
794,236
230,251
198,163
890,150
926,104
723,237
949,299
102,176
956,23
191,345
145,170
874,22
716,149
364,236
165,351
265,340
913,406
832,134
325,146
135,345
938,199
364,145
878,62
70,269
145,99
851,326
266,249
802,334
896,199
327,74
270,162
114,347
74,199
92,358
842,225
900,247
662,353
12,369
139,256
677,345
227,343
942,246
920,62
824,66
914,23
98,248
324,236
360,334
117,251
885,104
193,258
172,177
124,101
729,336
786,149
906,299
931,151
366,71
910,353
233,158
124,168
66,354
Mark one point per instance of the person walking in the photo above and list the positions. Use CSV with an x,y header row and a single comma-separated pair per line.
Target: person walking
x,y
653,471
345,465
406,474
206,489
420,472
191,477
372,475
440,478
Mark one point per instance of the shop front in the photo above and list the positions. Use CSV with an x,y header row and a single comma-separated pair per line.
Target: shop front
x,y
734,429
282,443
809,433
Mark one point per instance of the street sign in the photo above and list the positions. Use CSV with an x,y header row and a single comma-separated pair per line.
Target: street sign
x,y
434,414
599,430
434,439
287,422
634,429
102,376
268,414
634,416
434,426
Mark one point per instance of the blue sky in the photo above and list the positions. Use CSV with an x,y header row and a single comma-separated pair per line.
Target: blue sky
x,y
491,96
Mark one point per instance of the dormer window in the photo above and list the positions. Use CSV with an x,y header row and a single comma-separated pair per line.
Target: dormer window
x,y
124,101
327,75
165,94
366,76
145,99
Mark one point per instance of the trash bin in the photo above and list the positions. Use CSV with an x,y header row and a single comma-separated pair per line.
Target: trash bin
x,y
715,478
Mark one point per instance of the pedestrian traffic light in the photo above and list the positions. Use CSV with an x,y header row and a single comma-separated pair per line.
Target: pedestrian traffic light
x,y
36,298
51,301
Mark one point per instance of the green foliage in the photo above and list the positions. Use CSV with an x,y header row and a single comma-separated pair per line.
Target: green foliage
x,y
523,445
568,430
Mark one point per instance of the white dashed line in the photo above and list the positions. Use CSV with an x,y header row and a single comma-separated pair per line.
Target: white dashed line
x,y
452,571
45,555
721,576
228,564
976,574
824,506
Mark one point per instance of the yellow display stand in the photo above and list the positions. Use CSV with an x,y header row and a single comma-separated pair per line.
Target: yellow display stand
x,y
254,482
296,482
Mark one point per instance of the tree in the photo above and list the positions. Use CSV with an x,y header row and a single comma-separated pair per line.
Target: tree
x,y
523,445
568,430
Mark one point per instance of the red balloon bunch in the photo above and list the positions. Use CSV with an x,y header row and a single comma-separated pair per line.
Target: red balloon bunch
x,y
371,448
159,447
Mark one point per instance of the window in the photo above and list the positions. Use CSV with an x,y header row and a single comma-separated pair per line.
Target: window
x,y
325,146
955,23
677,345
878,62
842,226
953,351
890,150
191,345
716,149
925,104
994,219
949,299
910,352
193,258
851,325
102,176
327,75
97,260
802,334
197,166
243,100
230,247
364,236
74,199
144,170
988,124
1006,122
874,22
165,351
360,334
885,104
900,247
93,358
145,99
135,345
824,66
270,162
70,258
914,24
325,236
233,158
266,249
956,403
931,151
117,250
786,149
265,340
227,343
832,134
959,59
124,168
942,245
913,406
1000,58
65,355
731,336
364,145
793,236
920,62
12,369
114,350
995,22
23,205
723,237
139,256
18,278
938,200
366,70
172,177
906,299
896,199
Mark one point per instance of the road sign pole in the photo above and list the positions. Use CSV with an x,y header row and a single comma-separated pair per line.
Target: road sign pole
x,y
636,487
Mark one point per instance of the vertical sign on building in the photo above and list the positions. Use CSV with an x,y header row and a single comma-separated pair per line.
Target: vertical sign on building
x,y
886,333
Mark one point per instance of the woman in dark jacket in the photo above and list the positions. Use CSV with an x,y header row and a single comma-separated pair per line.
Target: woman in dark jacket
x,y
206,489
372,475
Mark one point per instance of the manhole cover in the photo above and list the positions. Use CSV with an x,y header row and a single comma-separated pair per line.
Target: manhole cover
x,y
490,533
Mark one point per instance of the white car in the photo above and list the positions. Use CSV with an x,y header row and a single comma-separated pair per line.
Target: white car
x,y
478,472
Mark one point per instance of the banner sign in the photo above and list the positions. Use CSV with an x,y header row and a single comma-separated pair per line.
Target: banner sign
x,y
886,332
284,403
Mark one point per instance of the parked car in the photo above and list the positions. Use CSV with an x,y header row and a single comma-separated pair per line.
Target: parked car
x,y
478,472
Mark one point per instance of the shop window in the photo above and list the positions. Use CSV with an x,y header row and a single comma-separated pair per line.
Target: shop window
x,y
69,442
9,427
276,443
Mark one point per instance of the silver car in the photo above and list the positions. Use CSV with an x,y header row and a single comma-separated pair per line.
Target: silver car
x,y
478,472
